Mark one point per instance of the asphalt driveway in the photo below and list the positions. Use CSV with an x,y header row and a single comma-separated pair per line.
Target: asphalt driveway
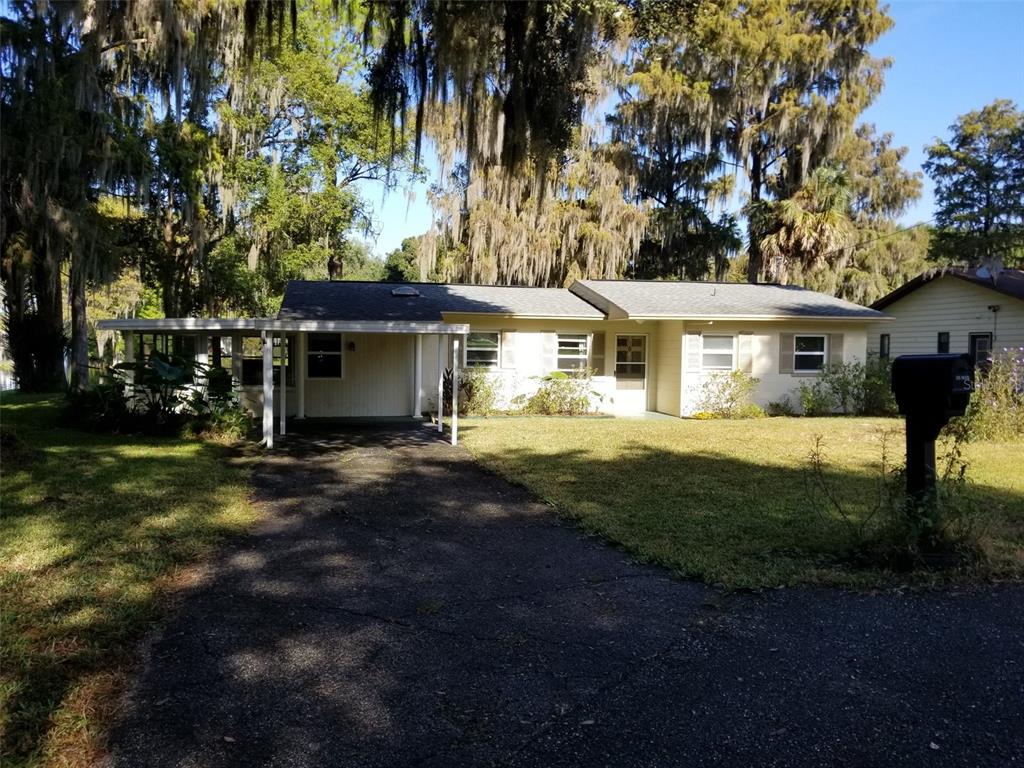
x,y
400,606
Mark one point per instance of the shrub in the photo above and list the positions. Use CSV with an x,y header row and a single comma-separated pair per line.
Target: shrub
x,y
861,389
878,399
562,394
726,395
816,398
844,382
478,393
783,407
163,396
481,391
996,410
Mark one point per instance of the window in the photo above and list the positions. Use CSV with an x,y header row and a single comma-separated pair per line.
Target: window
x,y
943,345
631,359
482,350
808,353
323,356
572,351
980,348
883,346
169,344
252,361
718,352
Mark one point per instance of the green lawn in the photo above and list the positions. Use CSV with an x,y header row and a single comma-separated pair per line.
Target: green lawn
x,y
725,501
96,532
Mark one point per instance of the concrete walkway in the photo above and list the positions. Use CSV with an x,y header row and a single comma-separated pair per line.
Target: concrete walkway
x,y
400,606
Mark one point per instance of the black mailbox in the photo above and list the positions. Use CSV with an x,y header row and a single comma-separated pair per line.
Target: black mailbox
x,y
929,390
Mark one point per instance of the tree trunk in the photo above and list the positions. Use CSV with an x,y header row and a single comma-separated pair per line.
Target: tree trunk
x,y
79,326
755,259
46,331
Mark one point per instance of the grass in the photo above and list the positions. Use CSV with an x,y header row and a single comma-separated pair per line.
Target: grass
x,y
726,501
96,533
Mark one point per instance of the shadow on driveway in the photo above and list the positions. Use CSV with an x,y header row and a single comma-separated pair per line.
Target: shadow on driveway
x,y
401,606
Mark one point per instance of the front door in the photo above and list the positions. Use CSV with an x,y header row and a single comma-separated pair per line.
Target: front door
x,y
630,373
980,348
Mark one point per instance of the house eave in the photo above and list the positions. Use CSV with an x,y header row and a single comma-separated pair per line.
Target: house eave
x,y
762,318
215,324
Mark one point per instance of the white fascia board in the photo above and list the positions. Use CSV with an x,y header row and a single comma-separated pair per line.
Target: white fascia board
x,y
764,318
516,316
168,324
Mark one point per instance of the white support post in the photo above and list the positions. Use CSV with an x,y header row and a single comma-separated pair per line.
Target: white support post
x,y
129,354
284,381
236,361
203,353
268,389
300,374
417,379
440,382
455,390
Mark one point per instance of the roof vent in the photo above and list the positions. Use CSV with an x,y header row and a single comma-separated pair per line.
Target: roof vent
x,y
404,290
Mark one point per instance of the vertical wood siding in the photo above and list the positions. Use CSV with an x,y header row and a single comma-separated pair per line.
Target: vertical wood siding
x,y
377,378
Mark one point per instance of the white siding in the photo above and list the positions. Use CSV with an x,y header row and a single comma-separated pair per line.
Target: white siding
x,y
764,351
953,305
376,381
532,339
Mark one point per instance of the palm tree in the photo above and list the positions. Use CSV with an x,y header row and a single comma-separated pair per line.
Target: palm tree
x,y
808,232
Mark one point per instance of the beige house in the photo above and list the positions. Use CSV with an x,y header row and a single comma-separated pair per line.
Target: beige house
x,y
368,349
972,311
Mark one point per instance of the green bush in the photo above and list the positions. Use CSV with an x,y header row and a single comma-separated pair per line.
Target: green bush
x,y
878,399
726,395
783,407
996,410
816,398
561,394
161,396
481,391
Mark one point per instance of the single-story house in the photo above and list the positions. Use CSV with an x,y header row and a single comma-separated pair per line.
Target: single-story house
x,y
372,349
972,311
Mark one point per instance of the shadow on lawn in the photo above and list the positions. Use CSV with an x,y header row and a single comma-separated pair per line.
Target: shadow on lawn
x,y
95,528
400,606
724,519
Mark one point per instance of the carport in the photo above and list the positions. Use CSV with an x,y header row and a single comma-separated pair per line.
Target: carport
x,y
447,338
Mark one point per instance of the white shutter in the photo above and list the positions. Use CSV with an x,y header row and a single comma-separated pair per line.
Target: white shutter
x,y
835,349
597,353
746,352
693,350
508,349
549,353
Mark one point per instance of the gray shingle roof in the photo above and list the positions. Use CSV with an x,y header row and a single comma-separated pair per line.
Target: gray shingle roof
x,y
642,298
351,300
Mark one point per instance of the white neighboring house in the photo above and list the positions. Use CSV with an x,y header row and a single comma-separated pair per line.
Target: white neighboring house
x,y
953,310
373,349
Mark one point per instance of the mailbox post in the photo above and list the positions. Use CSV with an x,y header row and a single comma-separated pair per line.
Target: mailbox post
x,y
929,390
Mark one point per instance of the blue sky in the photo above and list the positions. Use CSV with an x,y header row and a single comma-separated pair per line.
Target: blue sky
x,y
950,58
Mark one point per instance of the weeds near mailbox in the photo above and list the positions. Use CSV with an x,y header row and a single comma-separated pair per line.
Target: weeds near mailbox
x,y
897,532
996,410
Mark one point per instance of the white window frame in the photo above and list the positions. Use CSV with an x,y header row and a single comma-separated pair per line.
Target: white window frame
x,y
496,350
309,352
582,356
703,351
823,354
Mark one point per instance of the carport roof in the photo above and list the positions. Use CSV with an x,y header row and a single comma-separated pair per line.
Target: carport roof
x,y
371,301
